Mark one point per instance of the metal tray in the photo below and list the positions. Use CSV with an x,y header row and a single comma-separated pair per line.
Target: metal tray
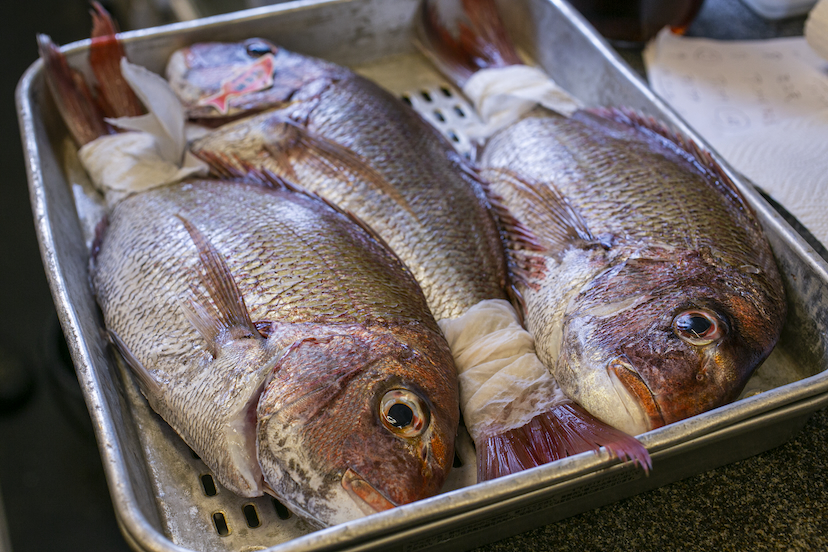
x,y
163,496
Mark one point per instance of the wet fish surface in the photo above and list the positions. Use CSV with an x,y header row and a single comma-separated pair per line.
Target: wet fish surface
x,y
655,294
342,136
286,345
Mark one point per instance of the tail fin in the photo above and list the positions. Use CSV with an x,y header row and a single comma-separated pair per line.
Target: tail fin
x,y
565,430
481,44
80,111
114,94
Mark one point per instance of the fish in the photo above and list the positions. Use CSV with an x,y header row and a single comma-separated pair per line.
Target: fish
x,y
277,334
342,136
655,293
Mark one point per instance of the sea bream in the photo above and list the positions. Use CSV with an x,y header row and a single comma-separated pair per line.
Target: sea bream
x,y
655,294
342,136
276,333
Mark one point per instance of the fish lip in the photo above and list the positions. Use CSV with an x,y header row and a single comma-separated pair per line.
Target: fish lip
x,y
639,389
366,496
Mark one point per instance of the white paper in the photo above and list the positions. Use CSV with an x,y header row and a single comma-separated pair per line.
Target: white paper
x,y
763,105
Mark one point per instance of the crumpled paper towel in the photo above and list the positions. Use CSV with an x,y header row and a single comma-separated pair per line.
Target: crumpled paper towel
x,y
762,105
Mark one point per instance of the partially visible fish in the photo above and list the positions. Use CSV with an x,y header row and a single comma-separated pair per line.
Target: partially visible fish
x,y
277,334
656,294
340,135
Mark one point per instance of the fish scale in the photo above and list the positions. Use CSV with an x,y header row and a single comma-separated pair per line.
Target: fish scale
x,y
340,312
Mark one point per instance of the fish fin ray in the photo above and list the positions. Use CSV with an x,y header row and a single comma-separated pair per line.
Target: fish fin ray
x,y
565,430
482,41
285,145
700,157
146,381
105,52
228,311
559,225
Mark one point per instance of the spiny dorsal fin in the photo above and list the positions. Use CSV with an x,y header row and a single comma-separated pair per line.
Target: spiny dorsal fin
x,y
228,312
679,143
283,146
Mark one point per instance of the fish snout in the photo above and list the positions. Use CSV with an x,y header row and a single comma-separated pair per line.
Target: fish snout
x,y
636,396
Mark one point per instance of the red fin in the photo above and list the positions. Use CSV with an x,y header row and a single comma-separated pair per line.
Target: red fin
x,y
559,226
483,43
677,142
116,97
79,110
565,430
227,312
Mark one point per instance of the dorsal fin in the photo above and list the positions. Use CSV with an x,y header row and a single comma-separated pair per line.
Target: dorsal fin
x,y
227,314
283,146
679,143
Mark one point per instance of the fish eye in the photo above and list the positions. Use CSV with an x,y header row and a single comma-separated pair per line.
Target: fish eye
x,y
403,413
257,48
698,327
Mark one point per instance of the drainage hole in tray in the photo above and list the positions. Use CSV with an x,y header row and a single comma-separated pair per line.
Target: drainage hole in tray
x,y
208,485
281,509
446,91
221,524
459,111
251,515
196,456
426,96
407,99
439,116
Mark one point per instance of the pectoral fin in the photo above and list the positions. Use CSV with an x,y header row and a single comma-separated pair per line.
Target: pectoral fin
x,y
275,143
537,221
227,315
146,381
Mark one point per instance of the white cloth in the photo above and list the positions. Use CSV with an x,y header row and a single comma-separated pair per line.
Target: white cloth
x,y
503,384
502,95
154,153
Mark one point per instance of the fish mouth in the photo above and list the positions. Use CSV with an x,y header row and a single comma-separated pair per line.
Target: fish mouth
x,y
638,390
366,496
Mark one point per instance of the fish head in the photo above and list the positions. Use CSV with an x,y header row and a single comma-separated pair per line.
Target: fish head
x,y
355,424
223,80
646,344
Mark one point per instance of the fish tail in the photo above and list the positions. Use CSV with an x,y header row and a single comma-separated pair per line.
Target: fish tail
x,y
565,430
105,52
482,41
79,109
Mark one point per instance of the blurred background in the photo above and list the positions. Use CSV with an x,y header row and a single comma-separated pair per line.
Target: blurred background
x,y
54,495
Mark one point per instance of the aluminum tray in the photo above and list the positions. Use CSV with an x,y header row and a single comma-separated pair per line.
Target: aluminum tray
x,y
162,493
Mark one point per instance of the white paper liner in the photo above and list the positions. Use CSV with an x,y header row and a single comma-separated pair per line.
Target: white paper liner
x,y
154,153
502,95
503,384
